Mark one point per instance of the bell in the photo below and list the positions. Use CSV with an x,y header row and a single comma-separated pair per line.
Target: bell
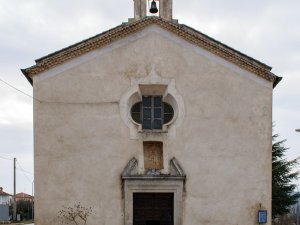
x,y
153,8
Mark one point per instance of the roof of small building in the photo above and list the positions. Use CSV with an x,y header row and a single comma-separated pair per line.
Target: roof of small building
x,y
23,195
2,193
189,34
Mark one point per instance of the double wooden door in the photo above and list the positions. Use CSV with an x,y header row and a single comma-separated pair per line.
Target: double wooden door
x,y
153,209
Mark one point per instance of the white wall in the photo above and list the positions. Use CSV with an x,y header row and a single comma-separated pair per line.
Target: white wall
x,y
223,143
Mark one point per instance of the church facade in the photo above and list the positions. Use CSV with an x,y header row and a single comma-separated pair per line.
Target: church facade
x,y
153,122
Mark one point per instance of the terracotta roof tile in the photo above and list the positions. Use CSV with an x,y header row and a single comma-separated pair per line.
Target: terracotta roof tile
x,y
187,33
23,195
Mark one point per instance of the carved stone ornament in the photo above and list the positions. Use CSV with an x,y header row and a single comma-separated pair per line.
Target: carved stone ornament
x,y
131,168
175,169
131,171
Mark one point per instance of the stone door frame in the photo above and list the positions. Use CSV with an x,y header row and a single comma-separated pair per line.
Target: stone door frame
x,y
153,185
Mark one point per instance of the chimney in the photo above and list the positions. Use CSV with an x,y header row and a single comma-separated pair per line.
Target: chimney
x,y
1,189
165,9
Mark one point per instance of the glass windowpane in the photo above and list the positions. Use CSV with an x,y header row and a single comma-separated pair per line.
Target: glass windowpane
x,y
157,124
168,113
136,107
147,101
157,101
152,112
147,113
168,108
147,124
136,112
136,117
168,118
157,113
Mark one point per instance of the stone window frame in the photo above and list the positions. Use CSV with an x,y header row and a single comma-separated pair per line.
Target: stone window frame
x,y
153,85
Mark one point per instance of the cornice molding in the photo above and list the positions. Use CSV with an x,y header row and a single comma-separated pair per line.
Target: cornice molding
x,y
185,32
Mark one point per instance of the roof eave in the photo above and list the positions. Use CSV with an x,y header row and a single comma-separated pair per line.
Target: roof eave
x,y
277,81
188,33
27,77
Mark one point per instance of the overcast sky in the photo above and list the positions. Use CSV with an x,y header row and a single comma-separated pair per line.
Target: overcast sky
x,y
267,30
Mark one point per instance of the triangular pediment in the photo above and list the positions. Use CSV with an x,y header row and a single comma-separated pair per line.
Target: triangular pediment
x,y
187,33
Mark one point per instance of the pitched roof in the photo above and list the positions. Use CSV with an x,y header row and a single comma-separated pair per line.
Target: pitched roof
x,y
185,32
23,195
2,193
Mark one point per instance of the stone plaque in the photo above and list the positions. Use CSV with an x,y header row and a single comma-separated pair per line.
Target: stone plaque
x,y
153,155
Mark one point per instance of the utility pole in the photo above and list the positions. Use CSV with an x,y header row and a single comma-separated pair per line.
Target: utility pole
x,y
15,203
298,194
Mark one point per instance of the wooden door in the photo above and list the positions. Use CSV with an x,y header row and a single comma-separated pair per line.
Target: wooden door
x,y
153,209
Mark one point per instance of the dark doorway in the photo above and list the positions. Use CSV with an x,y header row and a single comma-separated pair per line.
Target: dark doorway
x,y
153,222
153,209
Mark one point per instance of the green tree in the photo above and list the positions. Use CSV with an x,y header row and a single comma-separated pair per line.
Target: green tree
x,y
24,208
282,178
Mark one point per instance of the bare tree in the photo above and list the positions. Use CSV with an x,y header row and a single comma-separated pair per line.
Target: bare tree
x,y
77,214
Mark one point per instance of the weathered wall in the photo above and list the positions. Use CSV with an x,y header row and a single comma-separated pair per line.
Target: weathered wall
x,y
223,144
4,212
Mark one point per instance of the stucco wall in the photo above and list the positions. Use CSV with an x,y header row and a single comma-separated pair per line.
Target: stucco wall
x,y
223,144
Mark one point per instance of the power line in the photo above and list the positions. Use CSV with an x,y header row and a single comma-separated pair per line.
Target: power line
x,y
58,102
6,158
13,87
21,168
24,172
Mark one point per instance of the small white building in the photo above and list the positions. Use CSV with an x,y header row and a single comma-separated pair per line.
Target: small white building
x,y
153,122
5,198
5,202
